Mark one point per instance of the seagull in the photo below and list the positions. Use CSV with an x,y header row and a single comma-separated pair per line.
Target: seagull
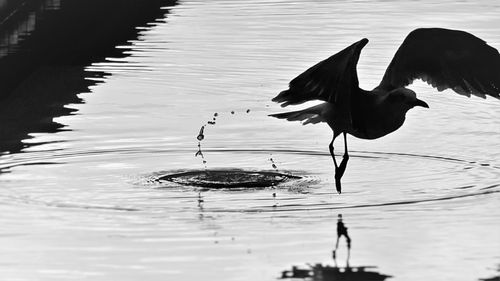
x,y
444,58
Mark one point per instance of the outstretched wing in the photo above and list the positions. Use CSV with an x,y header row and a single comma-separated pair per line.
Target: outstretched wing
x,y
445,59
332,80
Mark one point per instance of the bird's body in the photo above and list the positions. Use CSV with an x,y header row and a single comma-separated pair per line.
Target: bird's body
x,y
375,118
372,119
443,58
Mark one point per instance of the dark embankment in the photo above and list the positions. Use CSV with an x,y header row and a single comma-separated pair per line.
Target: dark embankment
x,y
45,46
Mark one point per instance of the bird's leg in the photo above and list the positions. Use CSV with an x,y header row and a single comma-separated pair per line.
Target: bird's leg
x,y
334,252
345,158
339,171
332,154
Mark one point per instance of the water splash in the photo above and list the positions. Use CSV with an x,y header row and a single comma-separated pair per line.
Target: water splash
x,y
201,136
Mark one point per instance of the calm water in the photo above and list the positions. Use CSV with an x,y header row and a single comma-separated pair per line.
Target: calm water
x,y
420,204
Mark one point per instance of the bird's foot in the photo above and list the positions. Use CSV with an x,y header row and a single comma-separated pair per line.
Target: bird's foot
x,y
339,172
338,176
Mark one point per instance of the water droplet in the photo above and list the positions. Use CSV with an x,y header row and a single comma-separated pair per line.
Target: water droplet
x,y
216,114
248,110
200,136
273,164
199,152
232,112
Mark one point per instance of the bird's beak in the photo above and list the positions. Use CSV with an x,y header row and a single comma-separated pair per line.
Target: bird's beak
x,y
420,103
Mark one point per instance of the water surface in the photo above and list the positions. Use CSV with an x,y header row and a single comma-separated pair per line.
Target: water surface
x,y
79,203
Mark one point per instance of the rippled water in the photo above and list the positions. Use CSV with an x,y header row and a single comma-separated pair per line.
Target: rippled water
x,y
420,204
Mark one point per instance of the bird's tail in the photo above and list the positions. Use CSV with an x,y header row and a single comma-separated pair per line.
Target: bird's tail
x,y
311,115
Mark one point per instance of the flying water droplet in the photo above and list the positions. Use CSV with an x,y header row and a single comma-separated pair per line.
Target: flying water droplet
x,y
199,153
273,164
201,136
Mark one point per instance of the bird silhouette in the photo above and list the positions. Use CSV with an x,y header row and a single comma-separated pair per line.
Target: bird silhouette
x,y
444,58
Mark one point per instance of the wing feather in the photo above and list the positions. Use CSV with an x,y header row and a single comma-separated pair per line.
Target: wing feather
x,y
331,80
446,59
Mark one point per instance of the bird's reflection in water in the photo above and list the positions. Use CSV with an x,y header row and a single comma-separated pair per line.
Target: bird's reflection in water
x,y
342,231
322,272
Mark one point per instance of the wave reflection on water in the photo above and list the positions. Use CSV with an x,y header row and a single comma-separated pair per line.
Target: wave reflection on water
x,y
305,194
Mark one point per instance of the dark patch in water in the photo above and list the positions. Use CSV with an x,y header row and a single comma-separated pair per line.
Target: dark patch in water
x,y
326,272
232,178
495,278
45,48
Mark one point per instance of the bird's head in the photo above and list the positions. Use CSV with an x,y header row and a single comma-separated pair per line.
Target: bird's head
x,y
405,98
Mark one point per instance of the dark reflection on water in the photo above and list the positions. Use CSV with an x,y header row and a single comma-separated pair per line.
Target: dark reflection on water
x,y
227,178
37,100
321,272
494,278
45,46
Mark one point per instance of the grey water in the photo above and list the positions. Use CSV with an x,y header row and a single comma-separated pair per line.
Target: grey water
x,y
77,197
